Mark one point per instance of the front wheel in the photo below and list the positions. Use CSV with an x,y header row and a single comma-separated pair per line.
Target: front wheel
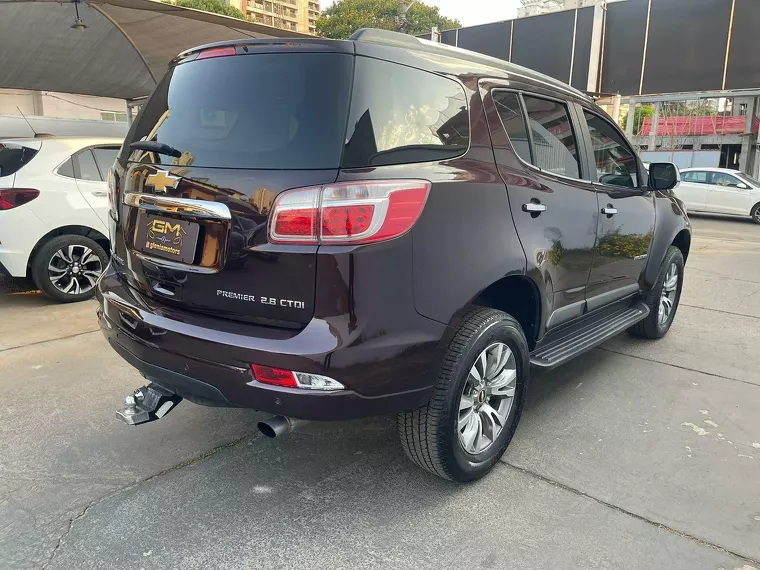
x,y
469,421
67,267
755,213
663,299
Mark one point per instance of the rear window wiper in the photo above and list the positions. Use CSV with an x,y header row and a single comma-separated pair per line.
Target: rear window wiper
x,y
155,146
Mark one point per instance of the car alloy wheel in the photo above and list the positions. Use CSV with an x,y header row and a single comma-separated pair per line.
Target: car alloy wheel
x,y
74,269
487,398
668,296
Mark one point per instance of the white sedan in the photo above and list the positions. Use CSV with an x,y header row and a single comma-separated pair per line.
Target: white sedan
x,y
720,191
54,212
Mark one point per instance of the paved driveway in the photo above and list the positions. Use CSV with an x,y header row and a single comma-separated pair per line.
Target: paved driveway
x,y
636,455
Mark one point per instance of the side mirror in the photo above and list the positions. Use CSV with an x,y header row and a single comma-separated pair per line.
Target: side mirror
x,y
663,176
742,185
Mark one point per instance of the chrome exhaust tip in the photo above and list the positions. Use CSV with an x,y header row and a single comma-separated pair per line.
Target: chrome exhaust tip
x,y
277,426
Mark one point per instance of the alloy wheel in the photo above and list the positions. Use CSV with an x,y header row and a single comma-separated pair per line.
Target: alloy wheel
x,y
487,398
668,295
74,269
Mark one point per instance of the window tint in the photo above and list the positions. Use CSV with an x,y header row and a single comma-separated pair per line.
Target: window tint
x,y
722,179
616,164
510,112
271,110
105,157
695,176
554,146
67,168
403,115
85,166
13,157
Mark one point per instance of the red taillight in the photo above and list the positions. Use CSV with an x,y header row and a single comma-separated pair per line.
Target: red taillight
x,y
14,197
348,213
298,223
217,52
274,376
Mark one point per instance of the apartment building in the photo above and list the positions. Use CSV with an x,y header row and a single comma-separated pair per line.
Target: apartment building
x,y
536,7
294,15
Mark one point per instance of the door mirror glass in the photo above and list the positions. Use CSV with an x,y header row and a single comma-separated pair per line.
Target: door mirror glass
x,y
663,176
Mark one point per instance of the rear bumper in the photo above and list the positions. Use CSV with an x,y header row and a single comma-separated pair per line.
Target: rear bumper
x,y
207,360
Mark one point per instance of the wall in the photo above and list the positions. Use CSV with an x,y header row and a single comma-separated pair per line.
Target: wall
x,y
650,46
61,105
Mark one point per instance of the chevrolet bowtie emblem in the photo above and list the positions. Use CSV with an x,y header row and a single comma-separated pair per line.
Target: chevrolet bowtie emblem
x,y
162,180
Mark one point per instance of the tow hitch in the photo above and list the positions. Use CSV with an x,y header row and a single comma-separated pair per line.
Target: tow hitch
x,y
147,404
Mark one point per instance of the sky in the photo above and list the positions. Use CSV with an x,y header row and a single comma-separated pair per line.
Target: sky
x,y
469,12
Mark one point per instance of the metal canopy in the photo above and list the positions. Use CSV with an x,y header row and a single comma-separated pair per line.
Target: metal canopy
x,y
122,53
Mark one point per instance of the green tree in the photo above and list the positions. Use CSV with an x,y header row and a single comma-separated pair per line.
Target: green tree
x,y
215,6
641,113
344,17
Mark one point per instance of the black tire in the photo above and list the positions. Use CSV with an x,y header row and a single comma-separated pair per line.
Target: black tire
x,y
429,435
755,213
43,277
651,327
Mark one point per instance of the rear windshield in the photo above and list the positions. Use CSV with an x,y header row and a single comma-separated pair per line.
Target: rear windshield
x,y
268,111
13,157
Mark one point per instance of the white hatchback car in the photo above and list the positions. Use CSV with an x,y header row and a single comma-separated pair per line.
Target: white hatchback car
x,y
721,191
54,212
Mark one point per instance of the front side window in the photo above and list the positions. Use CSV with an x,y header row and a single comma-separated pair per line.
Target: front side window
x,y
555,148
403,115
616,164
723,179
512,117
695,177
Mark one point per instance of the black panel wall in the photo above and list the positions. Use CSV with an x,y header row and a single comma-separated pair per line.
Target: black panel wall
x,y
489,39
449,37
687,45
544,43
624,46
744,59
583,30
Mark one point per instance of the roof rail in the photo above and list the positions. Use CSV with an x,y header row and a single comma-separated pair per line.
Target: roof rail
x,y
397,39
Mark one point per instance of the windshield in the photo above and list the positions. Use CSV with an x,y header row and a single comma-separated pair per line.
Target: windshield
x,y
748,179
268,111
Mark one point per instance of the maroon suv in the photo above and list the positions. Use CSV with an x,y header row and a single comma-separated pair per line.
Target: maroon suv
x,y
328,230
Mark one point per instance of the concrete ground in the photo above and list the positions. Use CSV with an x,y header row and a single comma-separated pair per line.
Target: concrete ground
x,y
636,455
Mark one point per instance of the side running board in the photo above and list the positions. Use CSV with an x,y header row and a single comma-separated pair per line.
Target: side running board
x,y
572,341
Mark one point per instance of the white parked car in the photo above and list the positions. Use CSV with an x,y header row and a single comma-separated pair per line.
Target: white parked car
x,y
721,191
54,212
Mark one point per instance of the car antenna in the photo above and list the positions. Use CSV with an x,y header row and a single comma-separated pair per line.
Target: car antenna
x,y
27,120
36,134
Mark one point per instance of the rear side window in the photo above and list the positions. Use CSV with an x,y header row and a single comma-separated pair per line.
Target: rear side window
x,y
695,176
268,111
554,146
85,167
105,157
404,115
510,112
13,157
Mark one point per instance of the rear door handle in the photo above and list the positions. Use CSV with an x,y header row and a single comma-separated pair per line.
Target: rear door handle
x,y
99,194
609,211
534,207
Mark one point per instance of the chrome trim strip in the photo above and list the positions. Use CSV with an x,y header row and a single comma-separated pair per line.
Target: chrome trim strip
x,y
198,209
173,264
609,297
